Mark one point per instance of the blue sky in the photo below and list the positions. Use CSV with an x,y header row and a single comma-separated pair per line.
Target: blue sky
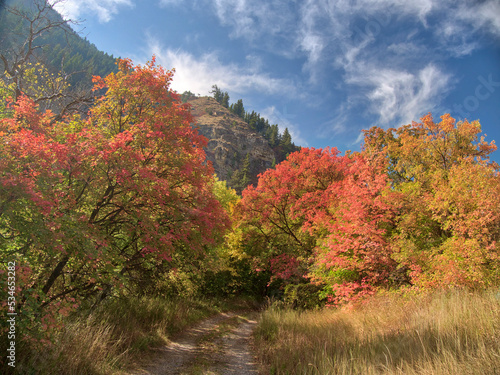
x,y
326,69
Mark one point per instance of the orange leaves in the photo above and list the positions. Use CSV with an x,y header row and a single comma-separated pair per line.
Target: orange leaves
x,y
99,83
420,205
329,210
446,194
109,198
25,116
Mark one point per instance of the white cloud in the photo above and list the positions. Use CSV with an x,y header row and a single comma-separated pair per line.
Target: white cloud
x,y
406,48
313,44
398,97
482,15
104,9
345,29
198,74
382,65
389,70
251,19
458,32
171,2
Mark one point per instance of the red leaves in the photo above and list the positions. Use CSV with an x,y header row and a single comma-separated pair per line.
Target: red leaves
x,y
356,227
420,205
114,196
285,267
332,208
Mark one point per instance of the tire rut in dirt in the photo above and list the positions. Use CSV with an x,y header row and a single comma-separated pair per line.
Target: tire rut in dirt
x,y
183,350
236,347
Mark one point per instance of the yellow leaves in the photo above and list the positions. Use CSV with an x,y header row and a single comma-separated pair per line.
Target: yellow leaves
x,y
447,194
38,83
415,151
225,195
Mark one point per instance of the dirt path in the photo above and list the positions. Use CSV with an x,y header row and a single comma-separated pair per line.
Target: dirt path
x,y
219,345
237,355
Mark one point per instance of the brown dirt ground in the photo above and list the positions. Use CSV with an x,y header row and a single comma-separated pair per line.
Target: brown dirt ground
x,y
219,345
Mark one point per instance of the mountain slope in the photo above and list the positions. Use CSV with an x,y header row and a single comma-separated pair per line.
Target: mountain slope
x,y
33,32
237,152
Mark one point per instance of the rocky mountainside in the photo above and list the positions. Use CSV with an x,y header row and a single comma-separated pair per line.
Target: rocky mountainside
x,y
237,152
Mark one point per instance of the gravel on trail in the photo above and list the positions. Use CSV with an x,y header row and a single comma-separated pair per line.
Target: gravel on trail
x,y
219,345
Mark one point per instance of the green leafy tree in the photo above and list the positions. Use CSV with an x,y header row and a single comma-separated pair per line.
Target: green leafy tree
x,y
103,205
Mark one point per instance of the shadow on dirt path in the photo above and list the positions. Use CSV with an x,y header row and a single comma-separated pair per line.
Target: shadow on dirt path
x,y
236,348
219,345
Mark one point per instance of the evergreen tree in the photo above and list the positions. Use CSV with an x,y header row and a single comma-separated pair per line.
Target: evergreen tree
x,y
225,100
217,93
286,143
222,97
272,135
282,145
241,178
238,109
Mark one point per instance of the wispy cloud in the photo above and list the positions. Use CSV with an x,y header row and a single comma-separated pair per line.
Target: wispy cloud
x,y
199,73
458,32
171,2
354,38
270,24
104,9
481,15
398,97
381,67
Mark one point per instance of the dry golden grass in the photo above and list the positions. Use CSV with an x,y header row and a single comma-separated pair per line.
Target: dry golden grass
x,y
113,338
118,336
446,333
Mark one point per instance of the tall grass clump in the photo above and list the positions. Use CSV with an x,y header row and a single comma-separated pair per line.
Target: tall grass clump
x,y
454,332
112,338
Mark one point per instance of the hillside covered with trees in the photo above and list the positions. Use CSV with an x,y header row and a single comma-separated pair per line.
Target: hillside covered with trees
x,y
237,151
43,58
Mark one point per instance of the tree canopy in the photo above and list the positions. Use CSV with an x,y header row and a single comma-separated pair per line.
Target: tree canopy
x,y
91,206
417,207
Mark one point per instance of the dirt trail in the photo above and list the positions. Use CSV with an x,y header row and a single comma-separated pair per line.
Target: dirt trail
x,y
238,357
219,345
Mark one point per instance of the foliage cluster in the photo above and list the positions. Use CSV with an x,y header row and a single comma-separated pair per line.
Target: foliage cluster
x,y
419,206
111,204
